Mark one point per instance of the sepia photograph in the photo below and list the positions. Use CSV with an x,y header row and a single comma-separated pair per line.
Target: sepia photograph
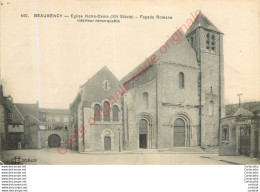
x,y
129,82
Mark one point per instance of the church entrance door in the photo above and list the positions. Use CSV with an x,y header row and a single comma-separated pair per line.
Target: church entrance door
x,y
143,134
179,133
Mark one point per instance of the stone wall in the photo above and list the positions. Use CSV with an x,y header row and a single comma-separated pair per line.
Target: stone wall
x,y
43,136
175,102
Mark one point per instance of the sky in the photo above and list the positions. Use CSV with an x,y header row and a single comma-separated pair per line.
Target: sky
x,y
47,59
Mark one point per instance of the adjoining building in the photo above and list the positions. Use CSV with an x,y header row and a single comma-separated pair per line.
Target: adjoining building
x,y
21,125
24,126
177,101
93,98
2,117
54,127
239,133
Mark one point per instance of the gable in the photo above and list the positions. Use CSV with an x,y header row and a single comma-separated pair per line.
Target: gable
x,y
95,90
176,50
203,22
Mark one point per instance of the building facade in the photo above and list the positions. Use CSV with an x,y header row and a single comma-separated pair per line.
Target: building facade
x,y
175,98
21,125
54,127
100,116
239,133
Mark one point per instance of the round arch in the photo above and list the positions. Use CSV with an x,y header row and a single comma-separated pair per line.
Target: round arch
x,y
149,135
107,140
54,140
177,129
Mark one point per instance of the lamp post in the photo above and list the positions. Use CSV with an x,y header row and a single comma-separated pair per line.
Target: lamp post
x,y
119,140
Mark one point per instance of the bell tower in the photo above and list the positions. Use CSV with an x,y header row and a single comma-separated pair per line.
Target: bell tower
x,y
207,42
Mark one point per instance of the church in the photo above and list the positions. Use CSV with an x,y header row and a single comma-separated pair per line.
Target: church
x,y
173,99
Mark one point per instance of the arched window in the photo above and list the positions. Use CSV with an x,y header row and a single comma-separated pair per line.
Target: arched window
x,y
210,42
106,111
115,113
207,41
213,43
145,100
211,108
191,41
181,80
97,112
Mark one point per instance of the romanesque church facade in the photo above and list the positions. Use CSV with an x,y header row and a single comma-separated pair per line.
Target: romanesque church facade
x,y
175,98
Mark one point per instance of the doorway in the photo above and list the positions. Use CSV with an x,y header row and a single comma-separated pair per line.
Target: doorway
x,y
143,125
245,134
256,144
107,143
179,133
54,140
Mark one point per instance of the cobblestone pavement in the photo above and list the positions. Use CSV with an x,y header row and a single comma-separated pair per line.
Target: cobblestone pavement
x,y
51,156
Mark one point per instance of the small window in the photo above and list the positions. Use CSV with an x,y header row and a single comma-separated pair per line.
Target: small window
x,y
106,85
181,80
145,100
191,41
225,133
210,89
10,115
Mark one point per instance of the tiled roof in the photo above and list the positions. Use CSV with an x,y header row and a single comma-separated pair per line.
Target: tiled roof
x,y
55,111
17,117
30,110
243,112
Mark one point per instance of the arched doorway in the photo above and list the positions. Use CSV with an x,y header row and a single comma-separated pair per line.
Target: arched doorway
x,y
54,140
143,126
179,133
107,143
107,140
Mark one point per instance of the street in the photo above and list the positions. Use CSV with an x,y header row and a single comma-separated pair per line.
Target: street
x,y
52,157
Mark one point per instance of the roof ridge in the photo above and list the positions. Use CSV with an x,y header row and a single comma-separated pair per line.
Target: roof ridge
x,y
18,111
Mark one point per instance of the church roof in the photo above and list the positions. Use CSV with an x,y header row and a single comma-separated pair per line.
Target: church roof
x,y
181,53
203,22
